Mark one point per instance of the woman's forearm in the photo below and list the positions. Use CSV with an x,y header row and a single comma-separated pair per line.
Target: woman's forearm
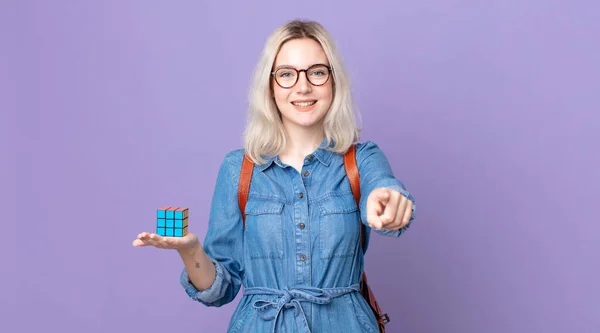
x,y
200,268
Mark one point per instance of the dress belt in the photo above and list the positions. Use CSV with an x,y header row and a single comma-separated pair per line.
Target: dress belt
x,y
291,298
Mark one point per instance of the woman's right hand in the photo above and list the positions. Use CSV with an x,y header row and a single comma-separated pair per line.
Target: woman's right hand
x,y
186,243
200,269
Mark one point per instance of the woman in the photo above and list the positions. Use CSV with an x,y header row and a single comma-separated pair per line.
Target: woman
x,y
298,254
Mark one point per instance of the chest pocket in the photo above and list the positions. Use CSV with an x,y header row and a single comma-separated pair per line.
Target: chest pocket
x,y
264,228
339,226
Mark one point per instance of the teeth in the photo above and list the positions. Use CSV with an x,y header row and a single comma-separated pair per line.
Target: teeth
x,y
304,104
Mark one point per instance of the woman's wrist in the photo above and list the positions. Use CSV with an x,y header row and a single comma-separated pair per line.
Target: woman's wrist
x,y
191,251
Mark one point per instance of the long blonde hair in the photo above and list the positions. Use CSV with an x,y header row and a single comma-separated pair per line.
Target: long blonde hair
x,y
264,135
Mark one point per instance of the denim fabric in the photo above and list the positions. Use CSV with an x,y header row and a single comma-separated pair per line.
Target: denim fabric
x,y
299,258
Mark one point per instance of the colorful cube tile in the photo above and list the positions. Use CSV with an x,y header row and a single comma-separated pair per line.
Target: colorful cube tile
x,y
172,221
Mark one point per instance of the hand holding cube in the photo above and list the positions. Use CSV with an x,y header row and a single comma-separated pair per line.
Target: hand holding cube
x,y
171,231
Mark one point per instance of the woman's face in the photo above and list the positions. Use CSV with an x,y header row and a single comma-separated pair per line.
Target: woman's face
x,y
303,105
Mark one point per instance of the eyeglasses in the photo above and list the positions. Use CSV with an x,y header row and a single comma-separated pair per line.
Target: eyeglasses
x,y
287,77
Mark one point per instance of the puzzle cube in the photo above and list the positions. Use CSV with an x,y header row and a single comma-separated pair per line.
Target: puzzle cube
x,y
172,221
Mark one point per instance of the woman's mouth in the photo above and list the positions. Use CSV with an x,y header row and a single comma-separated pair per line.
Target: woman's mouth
x,y
304,105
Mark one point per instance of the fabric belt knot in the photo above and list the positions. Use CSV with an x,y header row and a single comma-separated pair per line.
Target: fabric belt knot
x,y
291,298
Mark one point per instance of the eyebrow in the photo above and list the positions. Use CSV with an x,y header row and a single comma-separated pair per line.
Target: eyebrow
x,y
290,66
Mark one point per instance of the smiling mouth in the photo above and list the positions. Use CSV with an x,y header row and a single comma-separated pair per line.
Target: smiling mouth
x,y
304,104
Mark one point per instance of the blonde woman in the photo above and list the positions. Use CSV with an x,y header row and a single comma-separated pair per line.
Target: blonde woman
x,y
296,248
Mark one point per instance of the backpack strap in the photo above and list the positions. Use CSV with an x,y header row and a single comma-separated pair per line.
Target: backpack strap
x,y
244,186
354,178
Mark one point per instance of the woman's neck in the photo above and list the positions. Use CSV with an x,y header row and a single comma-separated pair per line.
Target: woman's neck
x,y
301,143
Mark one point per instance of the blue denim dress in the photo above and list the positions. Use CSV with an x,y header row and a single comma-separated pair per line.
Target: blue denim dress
x,y
299,259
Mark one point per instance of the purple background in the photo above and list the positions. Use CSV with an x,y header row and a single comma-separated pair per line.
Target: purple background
x,y
488,111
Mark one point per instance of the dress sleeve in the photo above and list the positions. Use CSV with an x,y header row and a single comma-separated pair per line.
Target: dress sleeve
x,y
375,172
224,239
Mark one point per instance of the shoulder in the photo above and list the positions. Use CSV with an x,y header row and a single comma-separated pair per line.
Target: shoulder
x,y
232,162
366,145
368,150
234,156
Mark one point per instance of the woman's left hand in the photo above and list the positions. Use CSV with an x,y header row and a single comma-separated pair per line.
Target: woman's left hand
x,y
388,209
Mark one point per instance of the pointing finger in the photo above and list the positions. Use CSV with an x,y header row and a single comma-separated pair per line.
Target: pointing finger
x,y
373,211
383,195
391,209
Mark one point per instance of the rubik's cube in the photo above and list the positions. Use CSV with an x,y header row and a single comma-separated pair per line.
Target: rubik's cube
x,y
172,221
